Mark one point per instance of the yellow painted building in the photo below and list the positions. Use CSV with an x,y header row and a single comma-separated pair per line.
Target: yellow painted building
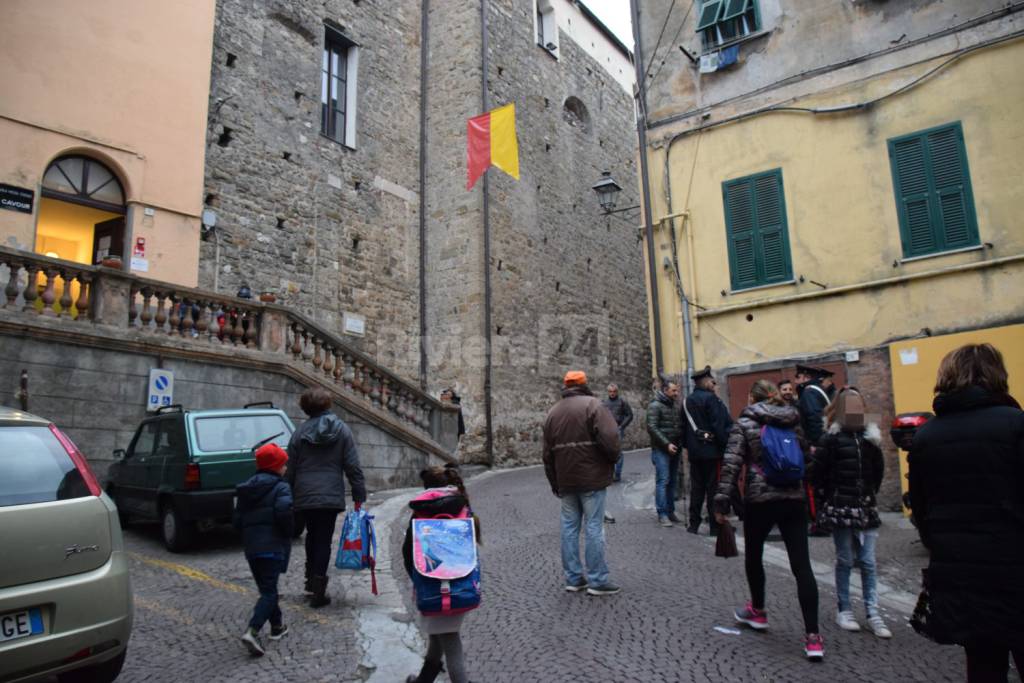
x,y
830,179
103,126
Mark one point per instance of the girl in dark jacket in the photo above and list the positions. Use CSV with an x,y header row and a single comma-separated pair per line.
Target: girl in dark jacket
x,y
967,493
848,466
767,506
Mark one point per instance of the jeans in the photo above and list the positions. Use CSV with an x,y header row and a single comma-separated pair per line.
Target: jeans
x,y
856,546
586,510
791,518
703,480
618,463
319,536
666,479
266,570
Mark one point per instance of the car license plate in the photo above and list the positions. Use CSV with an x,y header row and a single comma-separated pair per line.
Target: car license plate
x,y
20,624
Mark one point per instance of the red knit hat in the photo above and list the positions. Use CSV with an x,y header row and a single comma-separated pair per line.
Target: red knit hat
x,y
270,457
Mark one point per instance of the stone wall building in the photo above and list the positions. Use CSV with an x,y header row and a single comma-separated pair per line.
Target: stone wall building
x,y
329,218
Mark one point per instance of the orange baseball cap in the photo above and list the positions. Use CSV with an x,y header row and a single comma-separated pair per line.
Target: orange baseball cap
x,y
574,378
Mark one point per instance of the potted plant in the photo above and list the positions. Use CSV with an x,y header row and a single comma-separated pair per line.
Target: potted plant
x,y
268,297
112,261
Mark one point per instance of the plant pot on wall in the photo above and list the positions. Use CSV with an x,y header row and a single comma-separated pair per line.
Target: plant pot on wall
x,y
112,261
268,297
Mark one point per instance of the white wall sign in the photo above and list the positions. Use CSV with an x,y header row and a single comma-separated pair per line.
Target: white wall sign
x,y
161,389
908,356
353,324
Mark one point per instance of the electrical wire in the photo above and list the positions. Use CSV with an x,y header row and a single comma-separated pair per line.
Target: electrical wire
x,y
661,35
672,42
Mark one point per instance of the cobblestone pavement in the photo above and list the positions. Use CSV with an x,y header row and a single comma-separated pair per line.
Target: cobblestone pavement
x,y
191,607
674,593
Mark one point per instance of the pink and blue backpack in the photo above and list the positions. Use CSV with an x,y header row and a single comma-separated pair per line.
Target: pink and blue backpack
x,y
446,567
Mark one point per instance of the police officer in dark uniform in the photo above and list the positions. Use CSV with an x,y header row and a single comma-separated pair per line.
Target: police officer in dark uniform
x,y
815,389
706,424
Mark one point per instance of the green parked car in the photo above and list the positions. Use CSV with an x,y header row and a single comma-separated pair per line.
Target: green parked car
x,y
182,466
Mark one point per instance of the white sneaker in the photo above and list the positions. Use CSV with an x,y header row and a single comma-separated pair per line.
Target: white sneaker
x,y
665,521
878,627
847,622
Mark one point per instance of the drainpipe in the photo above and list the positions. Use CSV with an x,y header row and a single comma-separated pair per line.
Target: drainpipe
x,y
424,57
486,103
684,301
641,131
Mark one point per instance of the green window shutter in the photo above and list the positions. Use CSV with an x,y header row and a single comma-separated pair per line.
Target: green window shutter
x,y
709,14
755,216
735,8
949,168
934,201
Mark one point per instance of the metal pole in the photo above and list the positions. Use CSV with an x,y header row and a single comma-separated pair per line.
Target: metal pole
x,y
424,58
486,102
641,131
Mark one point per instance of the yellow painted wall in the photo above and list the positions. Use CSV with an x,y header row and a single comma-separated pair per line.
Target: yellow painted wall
x,y
72,224
843,227
915,364
125,82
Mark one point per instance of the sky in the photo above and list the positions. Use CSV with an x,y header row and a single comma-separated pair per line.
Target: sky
x,y
615,15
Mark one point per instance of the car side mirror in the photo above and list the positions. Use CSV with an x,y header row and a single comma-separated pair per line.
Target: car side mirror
x,y
119,454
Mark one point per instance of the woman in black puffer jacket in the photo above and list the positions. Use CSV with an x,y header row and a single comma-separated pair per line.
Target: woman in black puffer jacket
x,y
849,466
967,493
767,506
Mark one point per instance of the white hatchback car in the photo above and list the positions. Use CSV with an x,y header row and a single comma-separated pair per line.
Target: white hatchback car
x,y
65,597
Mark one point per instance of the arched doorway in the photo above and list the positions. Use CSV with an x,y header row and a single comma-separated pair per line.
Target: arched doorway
x,y
81,211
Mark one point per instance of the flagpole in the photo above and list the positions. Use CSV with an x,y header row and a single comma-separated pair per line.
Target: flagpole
x,y
485,99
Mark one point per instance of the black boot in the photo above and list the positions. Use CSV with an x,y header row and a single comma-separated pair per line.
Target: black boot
x,y
318,584
308,586
427,674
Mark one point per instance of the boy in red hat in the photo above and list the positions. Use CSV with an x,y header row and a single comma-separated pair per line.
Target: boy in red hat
x,y
264,516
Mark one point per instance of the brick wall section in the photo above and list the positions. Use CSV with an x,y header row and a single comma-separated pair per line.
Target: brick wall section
x,y
872,374
313,228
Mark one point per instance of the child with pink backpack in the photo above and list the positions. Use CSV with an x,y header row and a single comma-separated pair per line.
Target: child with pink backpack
x,y
440,557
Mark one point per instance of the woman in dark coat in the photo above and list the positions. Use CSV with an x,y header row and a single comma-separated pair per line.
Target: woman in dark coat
x,y
322,453
967,493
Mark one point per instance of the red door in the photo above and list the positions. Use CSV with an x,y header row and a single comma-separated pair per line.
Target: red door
x,y
739,385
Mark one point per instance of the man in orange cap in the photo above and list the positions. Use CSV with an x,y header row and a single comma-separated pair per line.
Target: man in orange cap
x,y
581,445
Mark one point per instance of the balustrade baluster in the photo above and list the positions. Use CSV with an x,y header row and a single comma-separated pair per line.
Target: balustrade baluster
x,y
425,415
65,294
187,321
237,331
251,319
133,306
338,369
375,388
203,323
216,324
147,311
326,367
392,401
84,304
161,314
296,347
307,348
11,290
175,319
350,373
317,358
49,295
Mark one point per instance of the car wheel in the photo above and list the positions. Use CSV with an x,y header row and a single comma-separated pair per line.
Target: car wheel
x,y
104,672
178,533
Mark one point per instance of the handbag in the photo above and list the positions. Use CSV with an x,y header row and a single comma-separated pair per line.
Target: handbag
x,y
703,435
725,544
922,619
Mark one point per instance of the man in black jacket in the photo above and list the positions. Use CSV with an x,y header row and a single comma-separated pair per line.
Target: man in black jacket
x,y
706,425
815,389
623,415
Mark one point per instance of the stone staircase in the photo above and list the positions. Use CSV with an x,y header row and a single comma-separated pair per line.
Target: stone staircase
x,y
87,334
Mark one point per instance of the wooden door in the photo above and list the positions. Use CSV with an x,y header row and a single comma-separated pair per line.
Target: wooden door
x,y
739,385
108,239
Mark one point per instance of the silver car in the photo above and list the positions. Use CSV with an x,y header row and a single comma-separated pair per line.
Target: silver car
x,y
65,598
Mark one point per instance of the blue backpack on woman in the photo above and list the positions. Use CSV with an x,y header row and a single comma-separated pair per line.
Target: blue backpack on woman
x,y
782,459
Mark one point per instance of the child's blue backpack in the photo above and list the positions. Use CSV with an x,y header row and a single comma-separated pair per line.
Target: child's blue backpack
x,y
446,567
782,459
358,547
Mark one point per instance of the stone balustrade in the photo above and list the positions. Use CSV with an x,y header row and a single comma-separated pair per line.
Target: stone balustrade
x,y
46,286
115,302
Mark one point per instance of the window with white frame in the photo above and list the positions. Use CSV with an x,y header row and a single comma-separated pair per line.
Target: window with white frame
x,y
547,29
340,68
721,22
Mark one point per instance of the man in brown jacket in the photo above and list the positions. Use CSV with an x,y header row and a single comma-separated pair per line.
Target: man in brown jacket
x,y
581,445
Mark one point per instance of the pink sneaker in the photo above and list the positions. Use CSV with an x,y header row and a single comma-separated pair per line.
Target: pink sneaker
x,y
814,647
751,616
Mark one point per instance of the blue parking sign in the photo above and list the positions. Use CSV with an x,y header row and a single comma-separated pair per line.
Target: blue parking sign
x,y
161,389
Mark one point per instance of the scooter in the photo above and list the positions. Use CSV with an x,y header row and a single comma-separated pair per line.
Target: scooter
x,y
904,427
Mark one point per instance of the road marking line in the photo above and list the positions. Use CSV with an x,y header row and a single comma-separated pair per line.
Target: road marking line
x,y
190,573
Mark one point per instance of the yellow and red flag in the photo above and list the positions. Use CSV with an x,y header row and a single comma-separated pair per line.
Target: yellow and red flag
x,y
491,141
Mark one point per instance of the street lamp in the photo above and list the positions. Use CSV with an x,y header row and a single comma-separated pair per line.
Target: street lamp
x,y
607,190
